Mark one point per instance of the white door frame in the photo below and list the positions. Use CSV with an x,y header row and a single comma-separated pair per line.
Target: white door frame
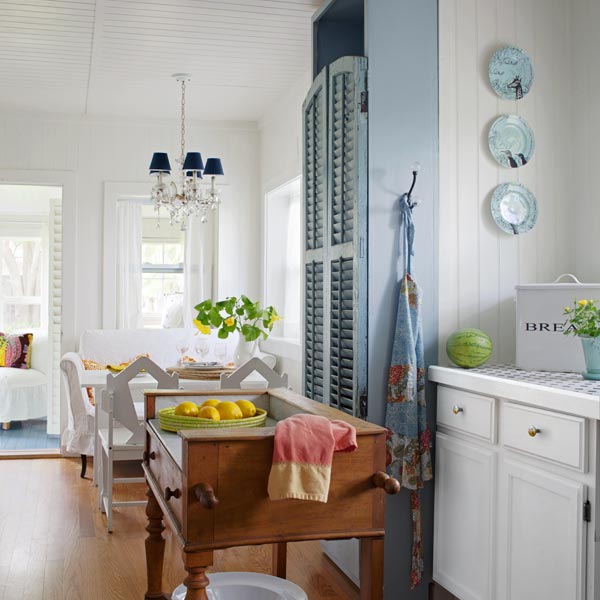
x,y
67,180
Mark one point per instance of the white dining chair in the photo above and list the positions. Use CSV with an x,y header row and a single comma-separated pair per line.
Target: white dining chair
x,y
123,438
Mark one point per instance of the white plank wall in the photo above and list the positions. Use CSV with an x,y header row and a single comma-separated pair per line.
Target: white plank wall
x,y
118,150
479,264
585,197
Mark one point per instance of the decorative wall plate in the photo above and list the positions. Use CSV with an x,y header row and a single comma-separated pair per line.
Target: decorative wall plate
x,y
514,208
511,73
511,141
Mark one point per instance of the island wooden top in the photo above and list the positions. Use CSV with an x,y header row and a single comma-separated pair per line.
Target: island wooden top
x,y
289,403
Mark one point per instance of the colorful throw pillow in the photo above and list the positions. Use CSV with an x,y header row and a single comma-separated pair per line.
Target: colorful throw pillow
x,y
15,350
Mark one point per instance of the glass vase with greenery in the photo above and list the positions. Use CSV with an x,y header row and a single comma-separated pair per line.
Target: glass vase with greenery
x,y
236,314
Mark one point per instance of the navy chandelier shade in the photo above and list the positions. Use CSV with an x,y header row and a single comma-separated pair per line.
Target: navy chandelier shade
x,y
160,163
213,167
193,162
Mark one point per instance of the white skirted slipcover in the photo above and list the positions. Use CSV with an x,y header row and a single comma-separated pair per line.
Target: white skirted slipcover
x,y
23,394
78,437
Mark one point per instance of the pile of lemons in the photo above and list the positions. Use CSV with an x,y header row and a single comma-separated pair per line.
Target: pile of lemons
x,y
215,410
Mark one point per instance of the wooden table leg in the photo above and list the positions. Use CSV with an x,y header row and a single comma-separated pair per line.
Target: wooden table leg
x,y
371,569
279,560
195,564
155,548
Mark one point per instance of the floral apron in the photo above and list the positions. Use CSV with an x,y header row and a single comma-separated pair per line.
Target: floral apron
x,y
408,437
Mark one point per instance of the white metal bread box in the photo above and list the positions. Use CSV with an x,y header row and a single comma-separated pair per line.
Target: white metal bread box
x,y
541,344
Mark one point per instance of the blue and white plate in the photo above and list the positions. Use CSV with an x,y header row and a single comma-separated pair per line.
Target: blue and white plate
x,y
511,141
514,208
511,73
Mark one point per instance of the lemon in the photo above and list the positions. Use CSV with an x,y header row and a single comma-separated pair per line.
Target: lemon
x,y
209,412
248,409
186,409
229,410
211,402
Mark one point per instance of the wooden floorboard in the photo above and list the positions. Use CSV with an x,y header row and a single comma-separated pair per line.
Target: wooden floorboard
x,y
54,544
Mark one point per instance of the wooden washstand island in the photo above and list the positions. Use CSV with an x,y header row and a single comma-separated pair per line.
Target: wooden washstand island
x,y
211,485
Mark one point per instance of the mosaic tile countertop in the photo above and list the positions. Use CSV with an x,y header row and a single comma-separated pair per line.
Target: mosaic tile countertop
x,y
564,392
571,382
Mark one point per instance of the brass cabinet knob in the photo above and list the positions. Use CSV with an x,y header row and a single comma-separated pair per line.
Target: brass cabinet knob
x,y
457,409
533,431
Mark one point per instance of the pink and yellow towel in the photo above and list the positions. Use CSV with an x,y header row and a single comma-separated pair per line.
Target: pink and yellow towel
x,y
304,447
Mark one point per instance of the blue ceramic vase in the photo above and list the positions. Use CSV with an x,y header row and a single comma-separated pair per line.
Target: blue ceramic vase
x,y
591,353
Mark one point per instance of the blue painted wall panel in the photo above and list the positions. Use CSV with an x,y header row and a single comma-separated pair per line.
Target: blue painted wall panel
x,y
402,48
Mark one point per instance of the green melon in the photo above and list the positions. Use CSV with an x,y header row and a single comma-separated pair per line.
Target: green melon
x,y
469,348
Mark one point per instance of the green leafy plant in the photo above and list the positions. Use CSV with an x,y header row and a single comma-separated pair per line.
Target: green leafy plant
x,y
583,318
236,314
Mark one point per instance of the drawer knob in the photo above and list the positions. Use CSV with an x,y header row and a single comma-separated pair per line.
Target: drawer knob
x,y
169,493
533,431
205,494
389,484
456,409
151,456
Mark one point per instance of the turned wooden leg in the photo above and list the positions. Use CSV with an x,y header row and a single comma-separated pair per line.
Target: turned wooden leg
x,y
195,564
371,569
83,465
279,560
155,548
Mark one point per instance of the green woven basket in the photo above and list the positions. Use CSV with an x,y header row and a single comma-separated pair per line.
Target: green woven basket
x,y
169,421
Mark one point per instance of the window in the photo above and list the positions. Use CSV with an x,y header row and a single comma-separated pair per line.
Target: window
x,y
21,272
162,277
283,257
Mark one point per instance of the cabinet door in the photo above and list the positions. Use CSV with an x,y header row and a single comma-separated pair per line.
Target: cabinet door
x,y
541,535
464,535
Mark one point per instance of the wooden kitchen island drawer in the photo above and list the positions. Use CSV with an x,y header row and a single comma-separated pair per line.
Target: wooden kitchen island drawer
x,y
167,475
548,435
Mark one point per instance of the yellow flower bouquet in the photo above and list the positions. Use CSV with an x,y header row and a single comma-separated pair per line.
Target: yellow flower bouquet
x,y
236,314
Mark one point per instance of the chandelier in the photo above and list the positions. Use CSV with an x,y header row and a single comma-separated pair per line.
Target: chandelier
x,y
187,199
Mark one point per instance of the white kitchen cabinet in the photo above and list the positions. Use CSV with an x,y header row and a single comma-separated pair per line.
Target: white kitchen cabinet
x,y
516,486
541,535
463,526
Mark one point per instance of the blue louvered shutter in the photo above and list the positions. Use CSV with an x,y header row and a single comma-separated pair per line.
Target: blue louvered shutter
x,y
347,218
335,346
315,214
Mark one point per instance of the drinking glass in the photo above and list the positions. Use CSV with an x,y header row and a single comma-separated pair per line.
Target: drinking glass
x,y
202,347
220,351
182,347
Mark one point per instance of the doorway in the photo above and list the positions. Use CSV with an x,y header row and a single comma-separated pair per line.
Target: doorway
x,y
30,318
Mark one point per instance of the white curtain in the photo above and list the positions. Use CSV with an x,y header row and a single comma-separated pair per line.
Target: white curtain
x,y
129,265
198,265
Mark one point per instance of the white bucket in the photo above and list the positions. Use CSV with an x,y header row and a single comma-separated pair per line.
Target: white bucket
x,y
247,586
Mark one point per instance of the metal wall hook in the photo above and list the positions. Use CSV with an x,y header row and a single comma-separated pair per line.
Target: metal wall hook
x,y
415,168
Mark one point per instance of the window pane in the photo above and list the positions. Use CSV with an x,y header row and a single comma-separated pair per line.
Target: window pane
x,y
173,254
156,291
20,278
152,253
18,317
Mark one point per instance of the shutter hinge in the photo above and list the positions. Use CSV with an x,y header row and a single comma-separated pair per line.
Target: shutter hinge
x,y
363,406
587,511
364,102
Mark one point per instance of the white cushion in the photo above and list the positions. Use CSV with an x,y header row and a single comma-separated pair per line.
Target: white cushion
x,y
19,378
121,435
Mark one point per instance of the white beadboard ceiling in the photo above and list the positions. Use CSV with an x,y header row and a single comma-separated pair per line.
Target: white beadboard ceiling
x,y
115,57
